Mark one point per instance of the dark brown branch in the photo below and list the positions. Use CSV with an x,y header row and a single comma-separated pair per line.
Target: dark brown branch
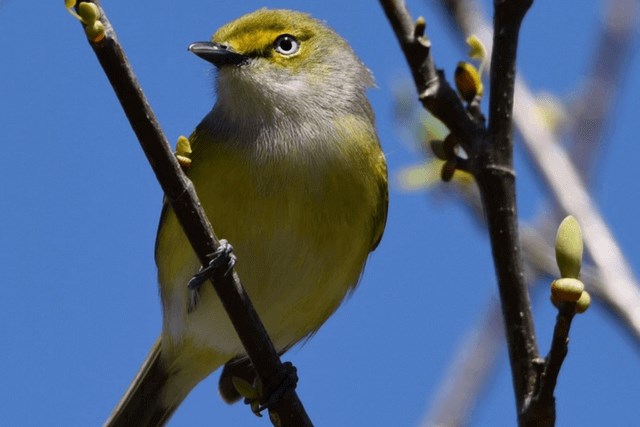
x,y
602,85
542,406
491,158
497,187
496,181
617,286
181,195
435,93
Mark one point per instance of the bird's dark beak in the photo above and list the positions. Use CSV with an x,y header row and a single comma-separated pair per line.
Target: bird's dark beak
x,y
216,53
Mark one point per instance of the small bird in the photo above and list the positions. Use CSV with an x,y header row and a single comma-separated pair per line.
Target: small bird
x,y
288,168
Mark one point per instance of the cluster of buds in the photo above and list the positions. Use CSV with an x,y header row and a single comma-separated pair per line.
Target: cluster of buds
x,y
89,15
468,80
183,152
446,150
569,247
467,77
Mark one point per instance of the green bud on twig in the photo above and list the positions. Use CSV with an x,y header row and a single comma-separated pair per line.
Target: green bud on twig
x,y
569,247
567,289
89,12
583,302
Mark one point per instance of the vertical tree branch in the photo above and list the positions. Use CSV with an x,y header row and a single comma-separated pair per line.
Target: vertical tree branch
x,y
181,195
604,69
497,187
496,181
591,111
617,285
491,160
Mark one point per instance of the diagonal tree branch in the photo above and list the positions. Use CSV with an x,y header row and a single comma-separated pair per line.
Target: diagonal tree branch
x,y
469,371
434,92
591,112
181,195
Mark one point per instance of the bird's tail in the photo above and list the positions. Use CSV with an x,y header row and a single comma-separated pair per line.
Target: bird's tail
x,y
158,388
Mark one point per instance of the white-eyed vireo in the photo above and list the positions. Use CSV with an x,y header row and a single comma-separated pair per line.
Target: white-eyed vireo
x,y
288,168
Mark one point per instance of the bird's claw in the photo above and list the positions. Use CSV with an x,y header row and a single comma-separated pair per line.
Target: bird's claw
x,y
223,256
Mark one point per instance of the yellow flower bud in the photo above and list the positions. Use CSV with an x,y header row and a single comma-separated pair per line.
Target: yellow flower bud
x,y
89,12
184,162
468,81
420,27
95,31
183,146
183,151
476,48
69,4
567,289
583,302
421,177
569,248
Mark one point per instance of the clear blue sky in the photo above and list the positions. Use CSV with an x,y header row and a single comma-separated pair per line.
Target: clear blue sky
x,y
79,308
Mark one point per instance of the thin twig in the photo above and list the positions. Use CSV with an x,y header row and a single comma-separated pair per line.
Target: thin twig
x,y
478,352
435,93
539,254
181,195
542,404
557,352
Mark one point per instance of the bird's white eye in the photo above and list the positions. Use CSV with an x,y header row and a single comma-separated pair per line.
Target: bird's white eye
x,y
286,44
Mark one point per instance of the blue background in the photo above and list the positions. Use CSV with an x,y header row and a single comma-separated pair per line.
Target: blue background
x,y
79,307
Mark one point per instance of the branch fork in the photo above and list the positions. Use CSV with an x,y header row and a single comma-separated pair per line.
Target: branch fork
x,y
490,160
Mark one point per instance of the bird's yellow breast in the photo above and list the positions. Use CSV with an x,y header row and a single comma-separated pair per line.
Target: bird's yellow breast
x,y
302,218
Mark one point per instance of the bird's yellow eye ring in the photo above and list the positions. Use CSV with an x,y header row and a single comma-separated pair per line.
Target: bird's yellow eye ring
x,y
286,44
